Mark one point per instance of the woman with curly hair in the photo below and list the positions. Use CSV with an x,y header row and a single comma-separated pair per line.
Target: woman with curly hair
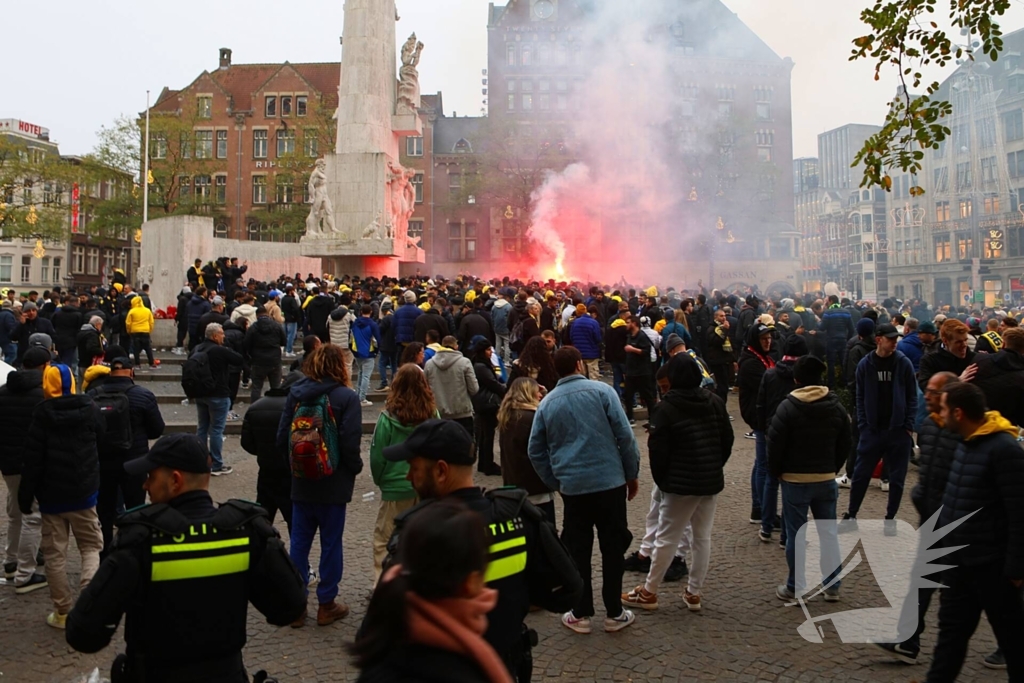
x,y
515,421
535,363
321,503
409,403
413,354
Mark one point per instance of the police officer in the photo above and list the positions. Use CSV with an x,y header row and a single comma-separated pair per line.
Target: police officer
x,y
184,572
441,456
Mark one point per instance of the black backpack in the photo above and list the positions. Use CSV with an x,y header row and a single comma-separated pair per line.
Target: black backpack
x,y
197,376
116,410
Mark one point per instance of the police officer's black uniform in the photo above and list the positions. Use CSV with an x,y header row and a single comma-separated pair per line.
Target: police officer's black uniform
x,y
184,573
513,535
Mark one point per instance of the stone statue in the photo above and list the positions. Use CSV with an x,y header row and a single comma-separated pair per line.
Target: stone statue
x,y
372,231
322,209
409,77
412,242
399,192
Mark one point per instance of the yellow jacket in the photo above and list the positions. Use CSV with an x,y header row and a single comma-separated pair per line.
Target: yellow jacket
x,y
139,319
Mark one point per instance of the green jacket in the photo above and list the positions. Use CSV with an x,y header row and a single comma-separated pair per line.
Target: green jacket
x,y
390,476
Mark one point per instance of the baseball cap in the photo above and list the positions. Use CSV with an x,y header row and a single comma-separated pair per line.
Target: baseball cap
x,y
927,327
887,330
218,301
436,440
763,329
35,357
40,339
183,452
124,361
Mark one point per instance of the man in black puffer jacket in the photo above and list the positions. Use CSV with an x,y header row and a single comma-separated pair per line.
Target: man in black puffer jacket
x,y
66,321
938,446
1000,376
811,415
263,343
985,495
18,400
776,385
147,423
690,442
755,360
259,438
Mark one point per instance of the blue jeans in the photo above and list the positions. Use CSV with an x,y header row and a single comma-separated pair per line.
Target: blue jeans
x,y
69,357
213,415
365,368
759,471
290,330
820,498
387,360
330,519
10,353
619,379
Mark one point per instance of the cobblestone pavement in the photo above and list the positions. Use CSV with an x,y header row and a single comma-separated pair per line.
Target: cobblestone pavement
x,y
743,634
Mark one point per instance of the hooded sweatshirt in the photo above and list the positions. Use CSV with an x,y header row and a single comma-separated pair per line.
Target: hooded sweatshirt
x,y
390,476
339,326
337,488
139,319
247,311
500,316
365,340
453,380
808,438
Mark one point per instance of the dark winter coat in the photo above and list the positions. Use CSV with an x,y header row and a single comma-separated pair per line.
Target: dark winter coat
x,y
337,488
690,441
837,324
90,345
181,315
67,320
753,365
941,361
317,312
776,385
430,320
144,413
986,479
206,319
473,324
715,352
263,342
291,309
197,308
615,342
18,400
514,440
61,468
808,435
387,334
912,347
405,323
27,329
856,353
586,337
1001,377
484,401
639,364
222,360
259,434
938,446
904,399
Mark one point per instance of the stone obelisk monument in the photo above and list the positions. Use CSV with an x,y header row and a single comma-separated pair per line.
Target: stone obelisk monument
x,y
362,196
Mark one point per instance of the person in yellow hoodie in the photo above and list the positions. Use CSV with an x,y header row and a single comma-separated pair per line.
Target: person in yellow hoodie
x,y
139,326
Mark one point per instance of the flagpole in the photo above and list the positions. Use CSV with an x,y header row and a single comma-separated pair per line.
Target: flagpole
x,y
145,169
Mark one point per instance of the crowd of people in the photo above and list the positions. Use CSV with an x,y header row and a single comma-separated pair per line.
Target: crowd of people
x,y
833,393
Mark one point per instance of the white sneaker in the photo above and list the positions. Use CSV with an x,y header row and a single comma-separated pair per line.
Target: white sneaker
x,y
366,404
574,624
843,482
620,622
884,486
232,416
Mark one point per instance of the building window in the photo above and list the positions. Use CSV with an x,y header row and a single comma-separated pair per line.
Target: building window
x,y
527,102
417,183
310,143
204,107
45,273
724,110
415,229
941,179
220,184
259,189
454,185
510,55
1013,125
108,260
963,176
943,249
1015,164
220,230
285,190
270,109
941,211
765,141
158,146
222,144
527,56
202,186
285,142
990,205
301,105
544,102
122,260
92,261
988,169
562,102
184,187
461,241
414,146
259,144
964,247
726,92
6,267
966,208
26,269
56,270
987,133
78,259
204,144
764,111
185,144
286,105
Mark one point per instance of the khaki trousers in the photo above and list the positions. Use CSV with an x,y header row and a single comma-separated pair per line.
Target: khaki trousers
x,y
593,368
384,527
57,529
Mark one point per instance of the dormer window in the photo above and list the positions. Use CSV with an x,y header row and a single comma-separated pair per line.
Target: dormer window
x,y
462,147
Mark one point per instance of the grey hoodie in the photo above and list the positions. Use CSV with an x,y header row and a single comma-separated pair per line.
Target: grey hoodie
x,y
453,381
339,325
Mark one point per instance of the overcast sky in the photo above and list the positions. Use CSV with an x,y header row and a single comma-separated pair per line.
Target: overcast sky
x,y
89,62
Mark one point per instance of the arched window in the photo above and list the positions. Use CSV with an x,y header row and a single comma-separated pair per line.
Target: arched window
x,y
462,147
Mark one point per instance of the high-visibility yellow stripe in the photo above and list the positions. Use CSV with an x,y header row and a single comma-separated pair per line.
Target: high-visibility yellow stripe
x,y
505,545
203,567
209,545
505,567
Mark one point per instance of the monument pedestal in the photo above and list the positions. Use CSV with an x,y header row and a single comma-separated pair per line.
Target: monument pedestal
x,y
377,257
